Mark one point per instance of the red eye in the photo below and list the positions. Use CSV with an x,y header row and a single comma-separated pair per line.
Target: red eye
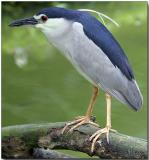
x,y
44,18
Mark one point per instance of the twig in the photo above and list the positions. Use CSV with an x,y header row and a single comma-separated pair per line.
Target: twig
x,y
19,141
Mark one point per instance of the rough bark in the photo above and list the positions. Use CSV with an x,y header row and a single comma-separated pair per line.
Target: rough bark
x,y
48,153
20,142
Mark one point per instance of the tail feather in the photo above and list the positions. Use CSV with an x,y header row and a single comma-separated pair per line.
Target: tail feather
x,y
132,96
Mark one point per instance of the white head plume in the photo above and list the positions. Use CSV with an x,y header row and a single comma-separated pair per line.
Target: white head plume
x,y
101,15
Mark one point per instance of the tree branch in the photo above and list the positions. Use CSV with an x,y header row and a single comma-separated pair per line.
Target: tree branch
x,y
21,140
41,153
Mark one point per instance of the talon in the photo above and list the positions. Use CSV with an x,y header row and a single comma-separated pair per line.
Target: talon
x,y
67,125
71,123
107,135
63,130
98,133
90,139
78,122
70,130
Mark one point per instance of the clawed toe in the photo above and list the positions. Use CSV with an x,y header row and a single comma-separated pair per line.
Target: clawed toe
x,y
97,134
78,122
69,124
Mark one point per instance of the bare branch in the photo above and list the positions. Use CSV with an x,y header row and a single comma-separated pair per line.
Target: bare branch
x,y
41,153
19,141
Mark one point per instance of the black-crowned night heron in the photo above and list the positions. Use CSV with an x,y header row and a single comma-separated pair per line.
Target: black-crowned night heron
x,y
96,55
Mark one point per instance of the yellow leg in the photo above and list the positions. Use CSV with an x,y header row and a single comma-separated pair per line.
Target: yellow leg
x,y
108,100
105,130
84,119
92,101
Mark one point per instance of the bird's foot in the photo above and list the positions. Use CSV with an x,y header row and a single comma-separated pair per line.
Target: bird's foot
x,y
78,122
98,133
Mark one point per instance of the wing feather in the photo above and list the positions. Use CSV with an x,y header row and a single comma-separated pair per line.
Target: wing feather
x,y
103,38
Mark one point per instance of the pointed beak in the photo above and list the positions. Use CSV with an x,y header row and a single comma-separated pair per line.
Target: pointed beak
x,y
22,22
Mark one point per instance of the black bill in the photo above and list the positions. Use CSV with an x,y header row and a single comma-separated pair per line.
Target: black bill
x,y
21,22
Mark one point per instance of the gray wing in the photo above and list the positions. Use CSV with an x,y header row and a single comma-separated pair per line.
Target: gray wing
x,y
94,65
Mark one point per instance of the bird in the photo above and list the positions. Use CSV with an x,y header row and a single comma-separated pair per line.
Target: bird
x,y
96,54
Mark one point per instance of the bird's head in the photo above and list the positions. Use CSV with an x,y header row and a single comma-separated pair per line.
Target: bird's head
x,y
52,20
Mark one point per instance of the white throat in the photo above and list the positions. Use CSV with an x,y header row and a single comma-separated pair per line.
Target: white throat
x,y
55,27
